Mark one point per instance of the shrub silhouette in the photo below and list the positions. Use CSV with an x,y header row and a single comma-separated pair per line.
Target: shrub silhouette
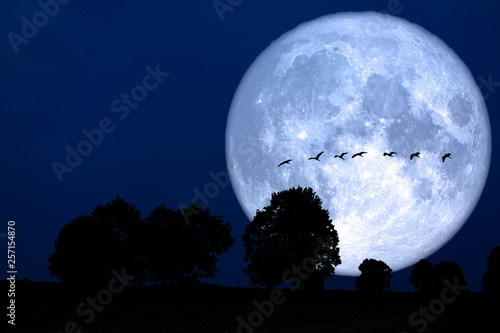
x,y
285,233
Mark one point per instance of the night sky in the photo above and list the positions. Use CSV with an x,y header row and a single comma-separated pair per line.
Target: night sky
x,y
70,76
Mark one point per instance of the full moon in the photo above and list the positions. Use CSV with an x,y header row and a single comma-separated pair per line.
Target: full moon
x,y
370,82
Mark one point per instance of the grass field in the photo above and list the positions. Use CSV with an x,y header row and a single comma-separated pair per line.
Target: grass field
x,y
47,307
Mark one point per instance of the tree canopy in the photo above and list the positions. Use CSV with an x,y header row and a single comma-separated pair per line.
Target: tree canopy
x,y
430,279
188,252
83,251
91,245
422,276
491,278
162,249
447,270
375,276
284,233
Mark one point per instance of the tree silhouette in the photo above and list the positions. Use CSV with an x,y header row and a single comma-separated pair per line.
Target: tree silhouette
x,y
375,276
161,249
491,278
175,253
285,233
82,252
90,246
430,279
447,270
124,219
422,276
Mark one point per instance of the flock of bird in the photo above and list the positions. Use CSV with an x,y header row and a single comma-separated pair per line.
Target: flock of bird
x,y
341,156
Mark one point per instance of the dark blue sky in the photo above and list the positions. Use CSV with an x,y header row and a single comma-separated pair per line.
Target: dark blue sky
x,y
66,76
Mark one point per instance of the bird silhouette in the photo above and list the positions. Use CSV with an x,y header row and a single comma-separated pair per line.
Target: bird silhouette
x,y
341,156
445,156
390,154
417,154
285,162
317,156
359,154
